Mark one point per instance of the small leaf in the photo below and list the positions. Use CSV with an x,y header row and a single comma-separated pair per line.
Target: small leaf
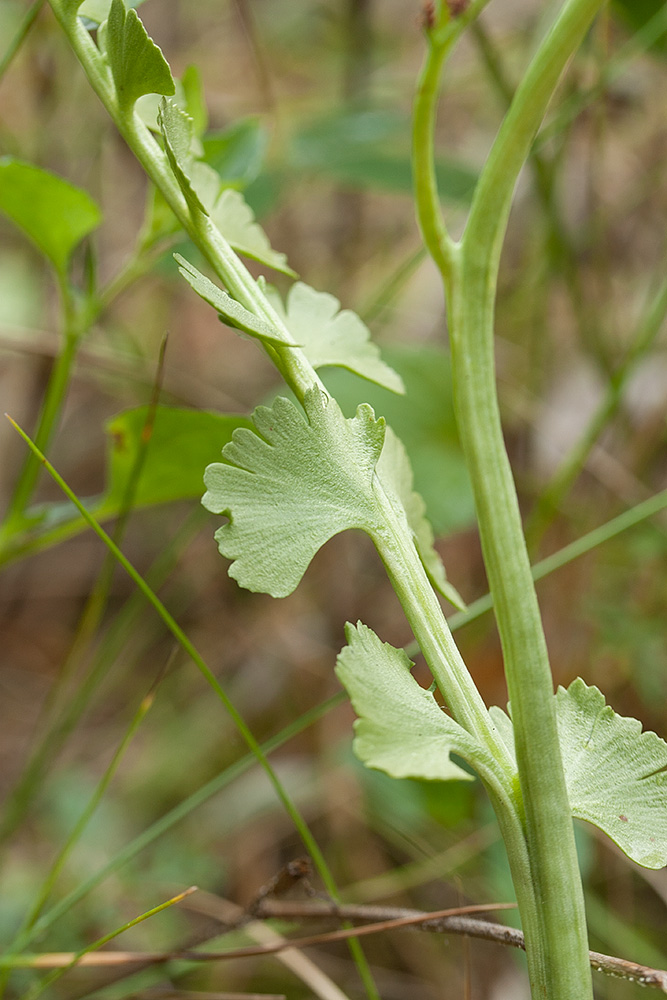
x,y
53,213
616,775
291,487
396,475
228,308
236,222
178,131
137,64
401,730
333,337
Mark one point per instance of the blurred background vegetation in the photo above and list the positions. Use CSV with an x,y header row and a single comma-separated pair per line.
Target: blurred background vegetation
x,y
309,114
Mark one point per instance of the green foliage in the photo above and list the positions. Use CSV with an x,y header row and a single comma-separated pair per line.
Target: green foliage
x,y
54,214
236,221
292,486
137,64
181,443
228,308
201,187
396,473
295,484
638,14
424,420
97,11
237,152
401,729
616,775
331,336
367,149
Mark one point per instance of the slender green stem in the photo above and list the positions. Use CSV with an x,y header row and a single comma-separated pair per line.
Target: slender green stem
x,y
561,971
188,647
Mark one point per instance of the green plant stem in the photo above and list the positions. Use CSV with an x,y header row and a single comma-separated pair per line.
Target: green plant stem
x,y
290,360
188,647
557,948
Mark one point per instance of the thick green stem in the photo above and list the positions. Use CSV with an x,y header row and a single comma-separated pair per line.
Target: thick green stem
x,y
561,972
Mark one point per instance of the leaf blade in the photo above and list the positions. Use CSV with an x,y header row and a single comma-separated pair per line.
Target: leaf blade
x,y
291,486
401,730
54,214
137,64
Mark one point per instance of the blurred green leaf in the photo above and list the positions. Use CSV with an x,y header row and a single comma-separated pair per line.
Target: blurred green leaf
x,y
54,214
237,152
137,64
182,444
424,421
370,149
638,13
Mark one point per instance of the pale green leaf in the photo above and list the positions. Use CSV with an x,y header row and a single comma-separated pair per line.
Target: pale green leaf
x,y
228,308
53,213
616,775
236,221
178,132
396,475
137,64
331,336
401,729
292,486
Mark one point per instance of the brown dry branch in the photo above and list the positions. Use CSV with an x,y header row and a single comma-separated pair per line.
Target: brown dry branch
x,y
381,918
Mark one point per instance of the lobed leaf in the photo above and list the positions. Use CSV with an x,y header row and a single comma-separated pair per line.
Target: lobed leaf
x,y
137,64
401,729
396,474
291,487
54,214
236,221
331,336
616,775
228,308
